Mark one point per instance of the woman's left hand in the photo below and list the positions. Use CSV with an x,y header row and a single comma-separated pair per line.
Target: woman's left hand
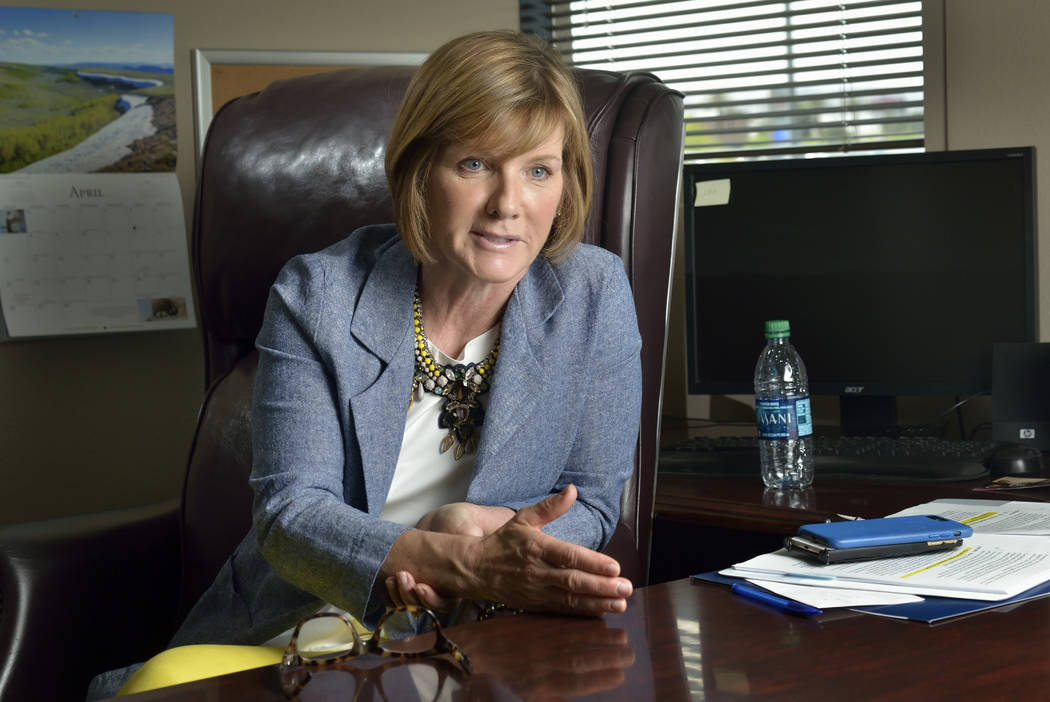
x,y
461,518
517,564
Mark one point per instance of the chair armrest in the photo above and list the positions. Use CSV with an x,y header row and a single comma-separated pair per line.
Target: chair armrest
x,y
84,594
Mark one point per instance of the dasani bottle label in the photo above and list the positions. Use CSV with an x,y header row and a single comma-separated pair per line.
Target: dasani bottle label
x,y
784,419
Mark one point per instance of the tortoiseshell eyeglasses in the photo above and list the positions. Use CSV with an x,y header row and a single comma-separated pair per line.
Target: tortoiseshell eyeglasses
x,y
324,640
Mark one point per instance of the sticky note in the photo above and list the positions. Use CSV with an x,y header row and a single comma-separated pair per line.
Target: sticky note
x,y
712,192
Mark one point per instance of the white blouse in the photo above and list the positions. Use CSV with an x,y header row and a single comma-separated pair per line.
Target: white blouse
x,y
425,478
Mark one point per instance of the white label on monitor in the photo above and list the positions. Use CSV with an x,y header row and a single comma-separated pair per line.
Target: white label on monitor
x,y
712,192
1026,433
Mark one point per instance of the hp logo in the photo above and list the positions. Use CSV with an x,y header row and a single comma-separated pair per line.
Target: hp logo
x,y
1026,433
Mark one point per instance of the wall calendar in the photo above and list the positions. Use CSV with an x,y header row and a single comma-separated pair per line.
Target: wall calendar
x,y
93,253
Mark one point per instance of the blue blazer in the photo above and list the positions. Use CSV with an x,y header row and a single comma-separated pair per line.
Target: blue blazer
x,y
335,370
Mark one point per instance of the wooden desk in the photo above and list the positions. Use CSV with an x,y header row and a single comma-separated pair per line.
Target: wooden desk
x,y
745,504
701,523
684,640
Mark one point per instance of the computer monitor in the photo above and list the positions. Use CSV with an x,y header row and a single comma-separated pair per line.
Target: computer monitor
x,y
897,272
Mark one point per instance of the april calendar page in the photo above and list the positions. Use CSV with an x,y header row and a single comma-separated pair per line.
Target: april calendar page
x,y
93,253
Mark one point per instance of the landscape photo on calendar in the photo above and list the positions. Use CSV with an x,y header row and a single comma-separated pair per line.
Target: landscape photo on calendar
x,y
86,91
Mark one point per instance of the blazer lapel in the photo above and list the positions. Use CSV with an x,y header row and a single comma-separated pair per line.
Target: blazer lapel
x,y
382,323
521,381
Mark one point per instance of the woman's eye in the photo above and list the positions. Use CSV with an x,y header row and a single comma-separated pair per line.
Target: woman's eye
x,y
472,164
539,172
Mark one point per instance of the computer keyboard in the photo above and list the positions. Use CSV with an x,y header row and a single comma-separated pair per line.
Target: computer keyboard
x,y
852,457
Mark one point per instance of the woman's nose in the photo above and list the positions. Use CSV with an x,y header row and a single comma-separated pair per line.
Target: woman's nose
x,y
505,199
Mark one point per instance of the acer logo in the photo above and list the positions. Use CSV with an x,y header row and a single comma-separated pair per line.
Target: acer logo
x,y
853,389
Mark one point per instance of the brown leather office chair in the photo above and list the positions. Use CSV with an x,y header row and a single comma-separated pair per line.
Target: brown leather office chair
x,y
288,170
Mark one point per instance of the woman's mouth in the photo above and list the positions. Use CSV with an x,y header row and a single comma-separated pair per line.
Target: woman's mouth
x,y
495,238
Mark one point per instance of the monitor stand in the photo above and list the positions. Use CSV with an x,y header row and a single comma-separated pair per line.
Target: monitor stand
x,y
868,415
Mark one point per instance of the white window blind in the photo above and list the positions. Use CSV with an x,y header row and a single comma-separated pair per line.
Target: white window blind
x,y
761,79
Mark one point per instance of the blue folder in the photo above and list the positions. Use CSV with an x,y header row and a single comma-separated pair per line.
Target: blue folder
x,y
930,610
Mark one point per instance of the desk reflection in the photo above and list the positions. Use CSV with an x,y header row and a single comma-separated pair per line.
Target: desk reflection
x,y
372,678
571,658
795,498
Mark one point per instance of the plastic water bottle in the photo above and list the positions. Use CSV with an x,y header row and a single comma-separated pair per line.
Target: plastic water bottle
x,y
785,425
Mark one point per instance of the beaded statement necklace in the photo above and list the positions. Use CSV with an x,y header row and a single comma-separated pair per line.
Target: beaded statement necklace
x,y
461,385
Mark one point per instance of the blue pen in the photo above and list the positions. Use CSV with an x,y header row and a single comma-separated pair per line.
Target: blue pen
x,y
781,603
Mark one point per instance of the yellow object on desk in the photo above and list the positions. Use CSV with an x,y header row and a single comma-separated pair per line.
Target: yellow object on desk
x,y
188,663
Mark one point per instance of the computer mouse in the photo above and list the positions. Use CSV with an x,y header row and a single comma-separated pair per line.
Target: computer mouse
x,y
1017,460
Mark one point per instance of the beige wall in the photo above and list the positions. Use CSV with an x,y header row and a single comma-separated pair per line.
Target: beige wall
x,y
93,423
987,70
997,93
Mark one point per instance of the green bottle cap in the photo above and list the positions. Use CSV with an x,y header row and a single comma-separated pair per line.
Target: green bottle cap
x,y
778,328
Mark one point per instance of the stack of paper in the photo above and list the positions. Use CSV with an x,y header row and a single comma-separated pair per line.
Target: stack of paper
x,y
1006,559
985,567
990,516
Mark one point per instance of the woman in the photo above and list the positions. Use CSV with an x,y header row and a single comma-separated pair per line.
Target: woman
x,y
446,408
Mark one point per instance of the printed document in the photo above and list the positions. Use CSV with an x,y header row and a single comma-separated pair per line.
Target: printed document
x,y
986,567
828,598
990,516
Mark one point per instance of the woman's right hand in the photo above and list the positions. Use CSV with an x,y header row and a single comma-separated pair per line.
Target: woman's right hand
x,y
402,589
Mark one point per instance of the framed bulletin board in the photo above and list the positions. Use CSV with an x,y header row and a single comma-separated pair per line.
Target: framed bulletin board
x,y
219,75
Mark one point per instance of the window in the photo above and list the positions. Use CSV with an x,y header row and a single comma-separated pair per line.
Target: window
x,y
761,79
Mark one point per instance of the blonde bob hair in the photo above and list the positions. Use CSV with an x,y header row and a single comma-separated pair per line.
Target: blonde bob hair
x,y
506,90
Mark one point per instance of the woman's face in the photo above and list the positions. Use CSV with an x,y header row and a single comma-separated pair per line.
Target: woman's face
x,y
491,215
